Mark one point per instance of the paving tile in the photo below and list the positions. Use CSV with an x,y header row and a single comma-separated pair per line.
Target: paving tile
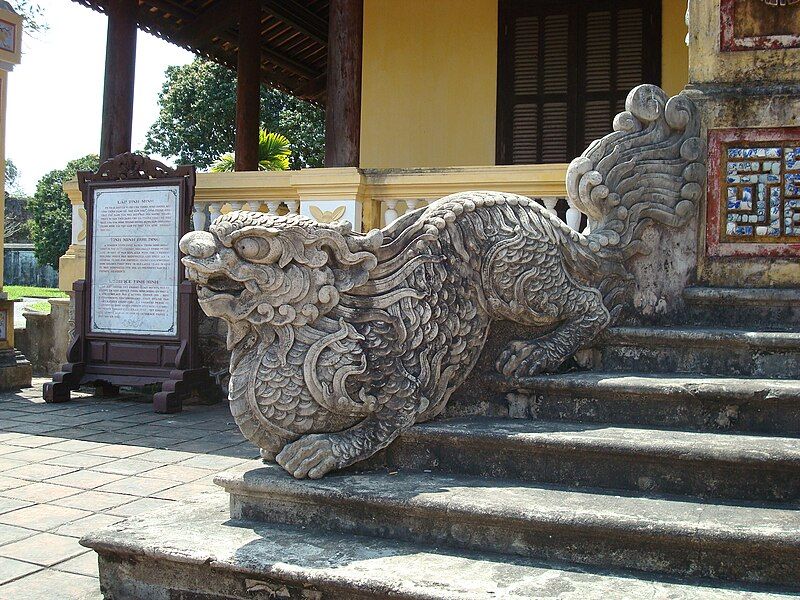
x,y
10,533
32,455
8,463
38,471
75,445
165,456
189,491
11,569
142,505
181,473
86,479
9,504
85,564
79,460
216,462
34,441
118,451
138,486
9,435
7,449
126,466
7,483
155,442
42,517
94,500
51,584
204,445
94,522
43,549
40,492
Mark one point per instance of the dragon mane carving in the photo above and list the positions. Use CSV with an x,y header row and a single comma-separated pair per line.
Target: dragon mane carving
x,y
342,340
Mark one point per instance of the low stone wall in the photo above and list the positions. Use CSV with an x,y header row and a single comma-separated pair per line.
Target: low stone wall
x,y
45,338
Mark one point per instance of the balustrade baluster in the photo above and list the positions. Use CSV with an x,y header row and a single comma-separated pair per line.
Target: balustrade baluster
x,y
199,217
550,205
273,206
214,210
390,212
293,206
574,217
236,205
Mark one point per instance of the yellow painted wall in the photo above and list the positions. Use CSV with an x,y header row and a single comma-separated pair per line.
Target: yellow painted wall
x,y
429,83
674,52
429,80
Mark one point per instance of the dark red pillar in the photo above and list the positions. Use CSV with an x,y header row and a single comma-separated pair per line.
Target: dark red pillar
x,y
343,103
248,82
115,136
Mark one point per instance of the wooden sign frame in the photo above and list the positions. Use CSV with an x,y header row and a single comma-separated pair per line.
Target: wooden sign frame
x,y
110,359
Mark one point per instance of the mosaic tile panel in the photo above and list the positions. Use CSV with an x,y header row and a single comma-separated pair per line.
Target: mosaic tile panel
x,y
761,193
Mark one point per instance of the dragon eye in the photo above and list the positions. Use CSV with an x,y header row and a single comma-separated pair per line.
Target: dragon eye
x,y
248,248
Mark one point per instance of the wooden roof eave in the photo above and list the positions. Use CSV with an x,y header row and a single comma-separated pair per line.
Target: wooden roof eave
x,y
213,34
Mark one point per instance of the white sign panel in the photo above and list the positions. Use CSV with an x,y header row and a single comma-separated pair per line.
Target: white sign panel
x,y
134,261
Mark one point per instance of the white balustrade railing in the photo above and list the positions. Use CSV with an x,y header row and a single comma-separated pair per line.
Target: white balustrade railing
x,y
392,209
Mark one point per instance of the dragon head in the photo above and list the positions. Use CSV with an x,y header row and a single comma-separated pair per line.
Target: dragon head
x,y
260,269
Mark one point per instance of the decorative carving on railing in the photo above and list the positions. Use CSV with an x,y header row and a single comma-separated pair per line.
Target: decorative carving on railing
x,y
342,340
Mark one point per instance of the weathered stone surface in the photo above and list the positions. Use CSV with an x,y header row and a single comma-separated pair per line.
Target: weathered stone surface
x,y
196,552
694,402
746,543
744,307
710,465
341,341
712,351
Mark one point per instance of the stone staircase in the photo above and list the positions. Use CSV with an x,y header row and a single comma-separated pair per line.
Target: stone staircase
x,y
670,471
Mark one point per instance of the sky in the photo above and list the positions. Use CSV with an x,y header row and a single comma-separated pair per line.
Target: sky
x,y
55,96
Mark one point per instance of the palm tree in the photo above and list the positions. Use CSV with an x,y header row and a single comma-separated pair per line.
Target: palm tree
x,y
273,154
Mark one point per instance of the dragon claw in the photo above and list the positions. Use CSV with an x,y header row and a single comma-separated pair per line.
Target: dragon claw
x,y
311,456
523,359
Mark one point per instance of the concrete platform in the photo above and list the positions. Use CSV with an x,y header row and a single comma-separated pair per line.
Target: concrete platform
x,y
730,542
622,457
197,552
685,401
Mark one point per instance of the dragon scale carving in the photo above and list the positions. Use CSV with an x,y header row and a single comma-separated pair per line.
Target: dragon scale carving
x,y
342,340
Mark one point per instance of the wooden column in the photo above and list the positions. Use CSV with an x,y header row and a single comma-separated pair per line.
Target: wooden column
x,y
343,104
115,136
248,82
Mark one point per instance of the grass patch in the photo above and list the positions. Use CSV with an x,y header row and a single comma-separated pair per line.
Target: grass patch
x,y
42,307
16,292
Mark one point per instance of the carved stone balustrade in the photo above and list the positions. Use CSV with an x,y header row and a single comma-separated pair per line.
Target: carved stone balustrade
x,y
368,198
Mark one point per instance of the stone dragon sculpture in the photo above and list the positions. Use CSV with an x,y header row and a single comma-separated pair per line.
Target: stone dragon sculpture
x,y
342,340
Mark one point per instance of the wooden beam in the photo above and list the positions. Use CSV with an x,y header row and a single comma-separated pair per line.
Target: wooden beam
x,y
115,136
298,17
248,82
343,103
216,18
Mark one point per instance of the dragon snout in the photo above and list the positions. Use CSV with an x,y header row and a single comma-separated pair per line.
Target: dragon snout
x,y
198,244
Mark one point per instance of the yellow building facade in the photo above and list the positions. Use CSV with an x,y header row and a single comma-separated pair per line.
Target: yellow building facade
x,y
429,80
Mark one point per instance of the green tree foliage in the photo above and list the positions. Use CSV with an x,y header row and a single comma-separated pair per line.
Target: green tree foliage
x,y
12,179
31,13
274,152
51,214
196,122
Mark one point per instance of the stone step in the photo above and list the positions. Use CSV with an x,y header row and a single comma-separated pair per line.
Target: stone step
x,y
710,351
698,464
195,551
678,401
747,543
743,307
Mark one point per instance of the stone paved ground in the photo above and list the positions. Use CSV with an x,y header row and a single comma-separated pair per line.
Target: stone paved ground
x,y
69,468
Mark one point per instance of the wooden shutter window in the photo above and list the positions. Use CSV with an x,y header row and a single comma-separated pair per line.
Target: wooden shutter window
x,y
564,70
